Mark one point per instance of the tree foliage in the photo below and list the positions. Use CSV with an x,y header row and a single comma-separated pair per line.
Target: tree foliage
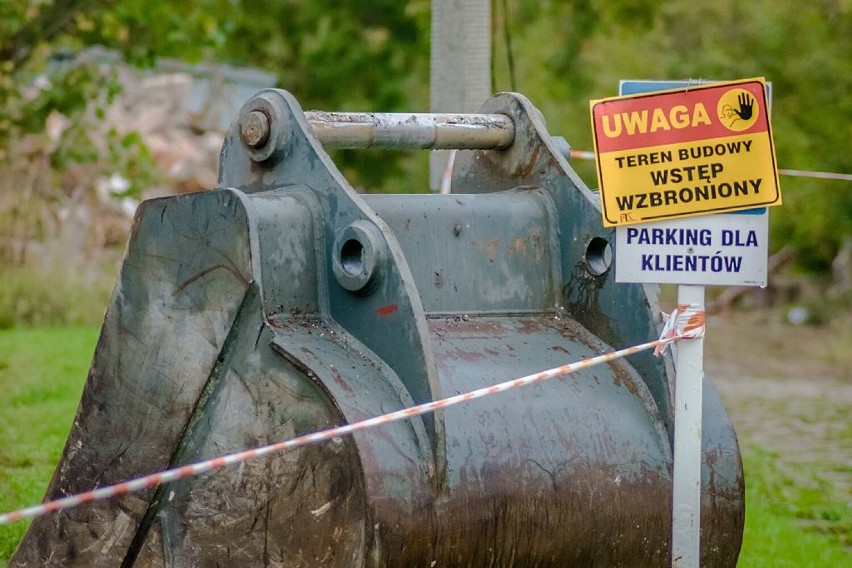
x,y
374,55
801,48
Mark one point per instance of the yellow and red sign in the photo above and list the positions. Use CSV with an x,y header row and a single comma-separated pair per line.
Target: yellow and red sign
x,y
685,152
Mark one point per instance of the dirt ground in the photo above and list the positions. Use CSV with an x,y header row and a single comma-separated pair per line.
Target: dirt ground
x,y
788,389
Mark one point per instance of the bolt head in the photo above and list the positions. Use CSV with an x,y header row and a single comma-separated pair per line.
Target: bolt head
x,y
254,129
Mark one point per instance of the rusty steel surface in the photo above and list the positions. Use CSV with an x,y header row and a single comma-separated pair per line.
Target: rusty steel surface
x,y
286,303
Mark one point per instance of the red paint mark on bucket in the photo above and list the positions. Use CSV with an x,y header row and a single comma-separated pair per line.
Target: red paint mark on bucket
x,y
387,310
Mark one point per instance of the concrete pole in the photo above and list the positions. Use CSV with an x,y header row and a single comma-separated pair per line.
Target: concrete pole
x,y
460,75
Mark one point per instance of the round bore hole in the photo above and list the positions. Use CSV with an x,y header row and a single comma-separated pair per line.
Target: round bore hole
x,y
351,257
598,256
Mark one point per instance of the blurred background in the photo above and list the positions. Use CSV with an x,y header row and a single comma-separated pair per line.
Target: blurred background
x,y
106,103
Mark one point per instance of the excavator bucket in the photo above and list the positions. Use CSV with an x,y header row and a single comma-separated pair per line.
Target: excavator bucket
x,y
285,303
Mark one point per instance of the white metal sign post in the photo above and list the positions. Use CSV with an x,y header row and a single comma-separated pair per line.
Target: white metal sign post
x,y
725,249
669,158
686,478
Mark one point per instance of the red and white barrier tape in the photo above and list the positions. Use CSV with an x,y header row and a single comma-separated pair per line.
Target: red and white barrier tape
x,y
202,467
582,155
820,175
685,322
447,179
586,155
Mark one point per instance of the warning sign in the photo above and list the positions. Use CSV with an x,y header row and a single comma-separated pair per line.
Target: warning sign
x,y
686,152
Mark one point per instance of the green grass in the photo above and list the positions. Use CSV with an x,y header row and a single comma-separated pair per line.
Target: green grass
x,y
792,517
32,297
42,373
